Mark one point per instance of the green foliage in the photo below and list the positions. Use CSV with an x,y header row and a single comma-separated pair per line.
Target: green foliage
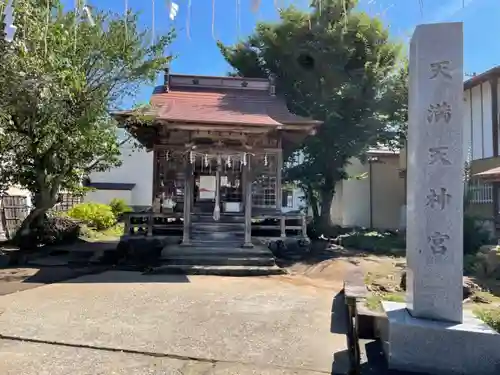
x,y
374,301
58,79
336,65
119,206
491,316
96,215
475,236
373,241
112,233
485,264
59,230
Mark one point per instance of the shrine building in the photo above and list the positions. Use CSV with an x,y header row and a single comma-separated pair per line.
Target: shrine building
x,y
218,145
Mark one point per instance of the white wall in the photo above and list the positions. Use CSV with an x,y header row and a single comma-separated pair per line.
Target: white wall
x,y
356,196
105,196
297,199
136,168
478,122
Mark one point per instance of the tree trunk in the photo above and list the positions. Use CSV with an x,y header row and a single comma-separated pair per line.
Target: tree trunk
x,y
26,236
326,204
313,202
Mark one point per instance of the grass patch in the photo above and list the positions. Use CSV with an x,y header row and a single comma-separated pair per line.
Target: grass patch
x,y
390,243
374,301
491,316
488,297
92,234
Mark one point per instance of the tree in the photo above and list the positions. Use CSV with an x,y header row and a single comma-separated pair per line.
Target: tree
x,y
59,78
333,64
396,109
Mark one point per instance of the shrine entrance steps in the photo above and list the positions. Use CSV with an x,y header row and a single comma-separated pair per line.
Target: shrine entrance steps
x,y
216,248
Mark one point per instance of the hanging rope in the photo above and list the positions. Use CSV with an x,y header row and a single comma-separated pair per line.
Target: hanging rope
x,y
126,22
77,13
255,5
188,21
213,19
153,22
10,28
238,20
46,33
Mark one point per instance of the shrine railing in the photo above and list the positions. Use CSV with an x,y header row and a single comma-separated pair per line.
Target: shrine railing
x,y
145,223
300,224
154,223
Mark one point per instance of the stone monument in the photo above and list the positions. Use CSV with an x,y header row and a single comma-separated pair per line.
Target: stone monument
x,y
432,333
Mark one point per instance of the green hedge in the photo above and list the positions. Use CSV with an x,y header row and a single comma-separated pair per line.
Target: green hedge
x,y
97,215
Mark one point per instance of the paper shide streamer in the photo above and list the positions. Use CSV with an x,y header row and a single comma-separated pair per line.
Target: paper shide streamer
x,y
10,28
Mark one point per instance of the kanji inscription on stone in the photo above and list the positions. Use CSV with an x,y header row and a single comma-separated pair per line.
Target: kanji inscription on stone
x,y
439,155
437,242
438,199
441,68
439,111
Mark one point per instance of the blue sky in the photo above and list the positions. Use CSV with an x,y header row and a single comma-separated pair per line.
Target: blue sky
x,y
197,53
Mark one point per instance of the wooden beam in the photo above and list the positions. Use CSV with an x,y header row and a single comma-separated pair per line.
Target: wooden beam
x,y
494,113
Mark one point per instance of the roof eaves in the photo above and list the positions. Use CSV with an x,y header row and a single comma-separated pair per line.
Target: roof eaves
x,y
480,78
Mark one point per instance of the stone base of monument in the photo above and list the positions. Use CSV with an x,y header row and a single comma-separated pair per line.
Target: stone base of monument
x,y
433,347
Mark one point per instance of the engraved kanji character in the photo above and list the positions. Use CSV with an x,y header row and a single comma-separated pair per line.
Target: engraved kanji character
x,y
441,67
439,199
437,111
437,242
438,155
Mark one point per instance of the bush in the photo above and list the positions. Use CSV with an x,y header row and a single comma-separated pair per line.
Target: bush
x,y
475,235
119,207
490,316
59,230
97,215
374,241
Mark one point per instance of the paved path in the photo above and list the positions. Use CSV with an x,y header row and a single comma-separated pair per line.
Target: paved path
x,y
170,325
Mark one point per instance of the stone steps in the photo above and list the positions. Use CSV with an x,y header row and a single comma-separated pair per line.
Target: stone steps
x,y
217,260
218,270
217,227
233,242
224,219
171,252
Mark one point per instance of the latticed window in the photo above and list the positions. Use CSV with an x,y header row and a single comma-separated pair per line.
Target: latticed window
x,y
264,184
168,178
480,192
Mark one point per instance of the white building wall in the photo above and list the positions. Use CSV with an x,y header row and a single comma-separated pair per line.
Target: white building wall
x,y
498,114
106,196
137,168
298,201
355,196
337,208
487,121
478,122
467,134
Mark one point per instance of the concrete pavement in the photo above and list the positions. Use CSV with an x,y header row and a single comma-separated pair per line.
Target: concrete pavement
x,y
180,324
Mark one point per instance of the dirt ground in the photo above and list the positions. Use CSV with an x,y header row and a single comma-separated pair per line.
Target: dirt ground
x,y
331,272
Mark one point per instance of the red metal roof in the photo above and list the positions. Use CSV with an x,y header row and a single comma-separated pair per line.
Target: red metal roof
x,y
223,106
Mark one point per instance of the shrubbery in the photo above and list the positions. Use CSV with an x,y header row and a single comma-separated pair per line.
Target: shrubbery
x,y
119,207
475,235
374,241
59,230
97,215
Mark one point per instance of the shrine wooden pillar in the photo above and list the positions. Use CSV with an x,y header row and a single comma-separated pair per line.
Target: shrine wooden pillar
x,y
188,192
279,188
247,187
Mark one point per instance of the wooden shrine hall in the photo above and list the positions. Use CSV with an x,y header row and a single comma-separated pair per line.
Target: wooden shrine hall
x,y
218,147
